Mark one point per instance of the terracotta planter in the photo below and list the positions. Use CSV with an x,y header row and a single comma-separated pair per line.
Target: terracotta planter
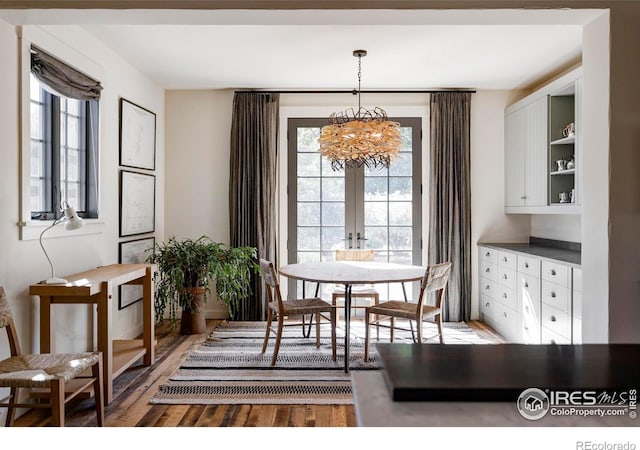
x,y
193,322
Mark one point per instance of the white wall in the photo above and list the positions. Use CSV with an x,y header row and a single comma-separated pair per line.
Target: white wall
x,y
198,134
489,223
21,261
563,227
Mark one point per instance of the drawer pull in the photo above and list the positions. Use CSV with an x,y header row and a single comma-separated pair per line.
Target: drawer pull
x,y
505,314
553,341
526,308
552,272
526,328
487,254
487,287
504,258
504,295
553,318
526,265
552,294
487,305
504,276
487,270
526,284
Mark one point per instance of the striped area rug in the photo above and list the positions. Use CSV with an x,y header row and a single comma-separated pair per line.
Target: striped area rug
x,y
229,369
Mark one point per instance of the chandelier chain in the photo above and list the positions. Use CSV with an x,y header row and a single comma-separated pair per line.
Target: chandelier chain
x,y
359,79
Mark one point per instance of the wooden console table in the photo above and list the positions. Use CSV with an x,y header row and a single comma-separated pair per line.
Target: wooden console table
x,y
96,287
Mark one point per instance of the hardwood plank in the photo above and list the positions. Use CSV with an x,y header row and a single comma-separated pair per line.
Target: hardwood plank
x,y
211,416
152,416
338,416
267,416
191,417
282,416
310,415
351,416
229,411
323,416
172,416
240,416
297,416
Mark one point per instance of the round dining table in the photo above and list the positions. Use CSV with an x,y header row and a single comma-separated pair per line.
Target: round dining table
x,y
351,273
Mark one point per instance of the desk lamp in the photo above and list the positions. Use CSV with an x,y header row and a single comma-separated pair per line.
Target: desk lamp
x,y
71,222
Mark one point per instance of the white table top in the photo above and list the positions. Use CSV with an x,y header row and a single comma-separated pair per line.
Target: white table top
x,y
353,272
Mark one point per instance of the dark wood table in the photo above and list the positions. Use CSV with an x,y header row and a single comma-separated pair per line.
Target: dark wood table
x,y
499,373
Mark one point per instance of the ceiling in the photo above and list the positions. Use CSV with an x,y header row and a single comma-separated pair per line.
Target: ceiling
x,y
501,49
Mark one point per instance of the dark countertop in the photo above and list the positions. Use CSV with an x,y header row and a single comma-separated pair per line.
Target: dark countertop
x,y
572,257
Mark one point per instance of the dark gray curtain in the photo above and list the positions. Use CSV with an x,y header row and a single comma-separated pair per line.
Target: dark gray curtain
x,y
450,198
252,185
62,79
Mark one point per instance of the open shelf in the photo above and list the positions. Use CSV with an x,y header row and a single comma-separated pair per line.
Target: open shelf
x,y
567,140
564,172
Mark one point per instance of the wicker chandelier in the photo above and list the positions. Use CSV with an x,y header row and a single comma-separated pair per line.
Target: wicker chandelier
x,y
365,137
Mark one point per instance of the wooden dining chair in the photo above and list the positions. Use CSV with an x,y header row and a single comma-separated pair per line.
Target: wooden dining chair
x,y
289,308
358,291
434,280
49,374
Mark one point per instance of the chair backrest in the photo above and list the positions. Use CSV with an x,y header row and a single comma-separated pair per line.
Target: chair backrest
x,y
6,321
271,283
435,278
354,255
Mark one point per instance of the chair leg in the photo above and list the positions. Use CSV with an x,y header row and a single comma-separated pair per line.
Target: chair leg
x,y
278,339
98,389
334,318
393,328
439,322
366,334
376,301
57,402
11,410
419,326
266,335
317,330
334,303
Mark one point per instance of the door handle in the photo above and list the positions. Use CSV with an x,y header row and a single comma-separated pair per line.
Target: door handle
x,y
358,239
350,239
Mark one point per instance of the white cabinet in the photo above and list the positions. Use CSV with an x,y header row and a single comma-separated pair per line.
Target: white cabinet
x,y
528,299
525,155
534,143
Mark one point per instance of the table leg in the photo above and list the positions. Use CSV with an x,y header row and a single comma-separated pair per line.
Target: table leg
x,y
45,324
347,324
105,344
148,319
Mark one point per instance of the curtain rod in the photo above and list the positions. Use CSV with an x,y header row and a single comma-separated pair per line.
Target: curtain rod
x,y
355,91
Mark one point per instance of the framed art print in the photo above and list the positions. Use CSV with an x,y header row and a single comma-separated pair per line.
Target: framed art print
x,y
137,136
137,203
133,252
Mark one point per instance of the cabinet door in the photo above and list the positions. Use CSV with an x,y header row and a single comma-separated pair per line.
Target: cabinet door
x,y
514,190
535,162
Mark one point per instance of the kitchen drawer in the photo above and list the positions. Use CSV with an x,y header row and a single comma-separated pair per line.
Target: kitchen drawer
x,y
507,277
529,326
508,260
486,309
488,271
577,279
488,254
506,322
557,296
529,265
555,272
529,296
550,337
488,288
557,321
508,297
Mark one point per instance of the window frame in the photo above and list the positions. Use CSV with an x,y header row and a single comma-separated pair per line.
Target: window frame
x,y
28,228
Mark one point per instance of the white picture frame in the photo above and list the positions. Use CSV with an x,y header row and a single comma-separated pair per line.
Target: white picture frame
x,y
137,203
137,136
133,252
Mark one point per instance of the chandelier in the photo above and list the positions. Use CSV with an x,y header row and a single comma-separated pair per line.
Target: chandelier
x,y
365,137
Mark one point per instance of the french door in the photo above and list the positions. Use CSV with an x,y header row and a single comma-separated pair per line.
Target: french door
x,y
377,209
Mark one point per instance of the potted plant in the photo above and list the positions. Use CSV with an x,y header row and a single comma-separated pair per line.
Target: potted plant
x,y
186,269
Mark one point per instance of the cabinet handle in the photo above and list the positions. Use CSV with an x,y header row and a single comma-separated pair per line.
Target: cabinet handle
x,y
526,328
504,295
526,265
526,308
487,254
505,314
553,318
504,276
552,295
487,305
526,284
487,270
552,272
553,341
487,287
504,258
524,197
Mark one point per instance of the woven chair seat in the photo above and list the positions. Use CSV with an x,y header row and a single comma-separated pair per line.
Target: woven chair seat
x,y
37,371
302,306
403,309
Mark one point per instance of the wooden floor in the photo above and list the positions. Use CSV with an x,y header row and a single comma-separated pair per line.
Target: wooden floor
x,y
134,388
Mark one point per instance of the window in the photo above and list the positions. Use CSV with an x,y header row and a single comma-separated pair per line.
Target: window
x,y
63,143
